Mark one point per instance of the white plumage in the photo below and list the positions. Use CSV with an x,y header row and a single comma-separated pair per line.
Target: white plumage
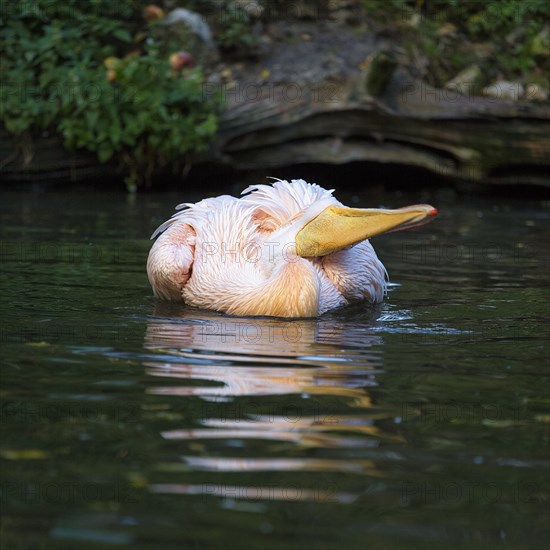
x,y
239,256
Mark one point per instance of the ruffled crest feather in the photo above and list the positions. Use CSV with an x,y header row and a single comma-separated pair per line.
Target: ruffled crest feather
x,y
283,200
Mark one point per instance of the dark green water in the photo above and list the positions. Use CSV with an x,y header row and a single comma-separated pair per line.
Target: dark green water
x,y
423,423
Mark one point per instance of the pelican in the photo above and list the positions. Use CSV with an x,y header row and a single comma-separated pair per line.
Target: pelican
x,y
289,249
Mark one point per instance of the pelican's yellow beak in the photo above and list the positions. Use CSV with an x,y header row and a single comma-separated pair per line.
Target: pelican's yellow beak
x,y
338,227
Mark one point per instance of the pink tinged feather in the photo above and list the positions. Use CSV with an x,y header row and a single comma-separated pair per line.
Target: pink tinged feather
x,y
357,272
170,261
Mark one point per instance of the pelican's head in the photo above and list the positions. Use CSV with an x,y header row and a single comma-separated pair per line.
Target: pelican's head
x,y
325,228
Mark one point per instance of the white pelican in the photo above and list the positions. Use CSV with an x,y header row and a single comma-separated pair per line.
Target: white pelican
x,y
289,249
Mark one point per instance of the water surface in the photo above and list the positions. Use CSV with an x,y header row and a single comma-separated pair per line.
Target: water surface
x,y
421,423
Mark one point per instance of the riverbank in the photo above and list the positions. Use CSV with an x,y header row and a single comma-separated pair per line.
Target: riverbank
x,y
396,84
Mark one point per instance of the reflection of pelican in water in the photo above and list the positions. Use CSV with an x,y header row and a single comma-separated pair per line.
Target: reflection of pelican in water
x,y
284,250
287,382
260,356
243,357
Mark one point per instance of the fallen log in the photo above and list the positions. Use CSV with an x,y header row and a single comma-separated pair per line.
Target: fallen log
x,y
384,115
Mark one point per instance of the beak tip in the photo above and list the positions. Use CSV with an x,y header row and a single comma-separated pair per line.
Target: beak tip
x,y
433,212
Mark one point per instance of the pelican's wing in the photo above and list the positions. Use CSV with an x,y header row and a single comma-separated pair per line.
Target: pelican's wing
x,y
171,258
193,212
170,262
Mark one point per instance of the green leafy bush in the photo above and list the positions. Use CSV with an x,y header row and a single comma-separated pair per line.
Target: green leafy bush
x,y
91,72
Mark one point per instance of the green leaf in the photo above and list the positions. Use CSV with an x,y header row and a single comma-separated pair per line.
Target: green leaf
x,y
104,154
91,118
123,35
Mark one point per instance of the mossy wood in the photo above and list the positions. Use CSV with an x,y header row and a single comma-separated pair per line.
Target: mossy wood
x,y
384,115
379,114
